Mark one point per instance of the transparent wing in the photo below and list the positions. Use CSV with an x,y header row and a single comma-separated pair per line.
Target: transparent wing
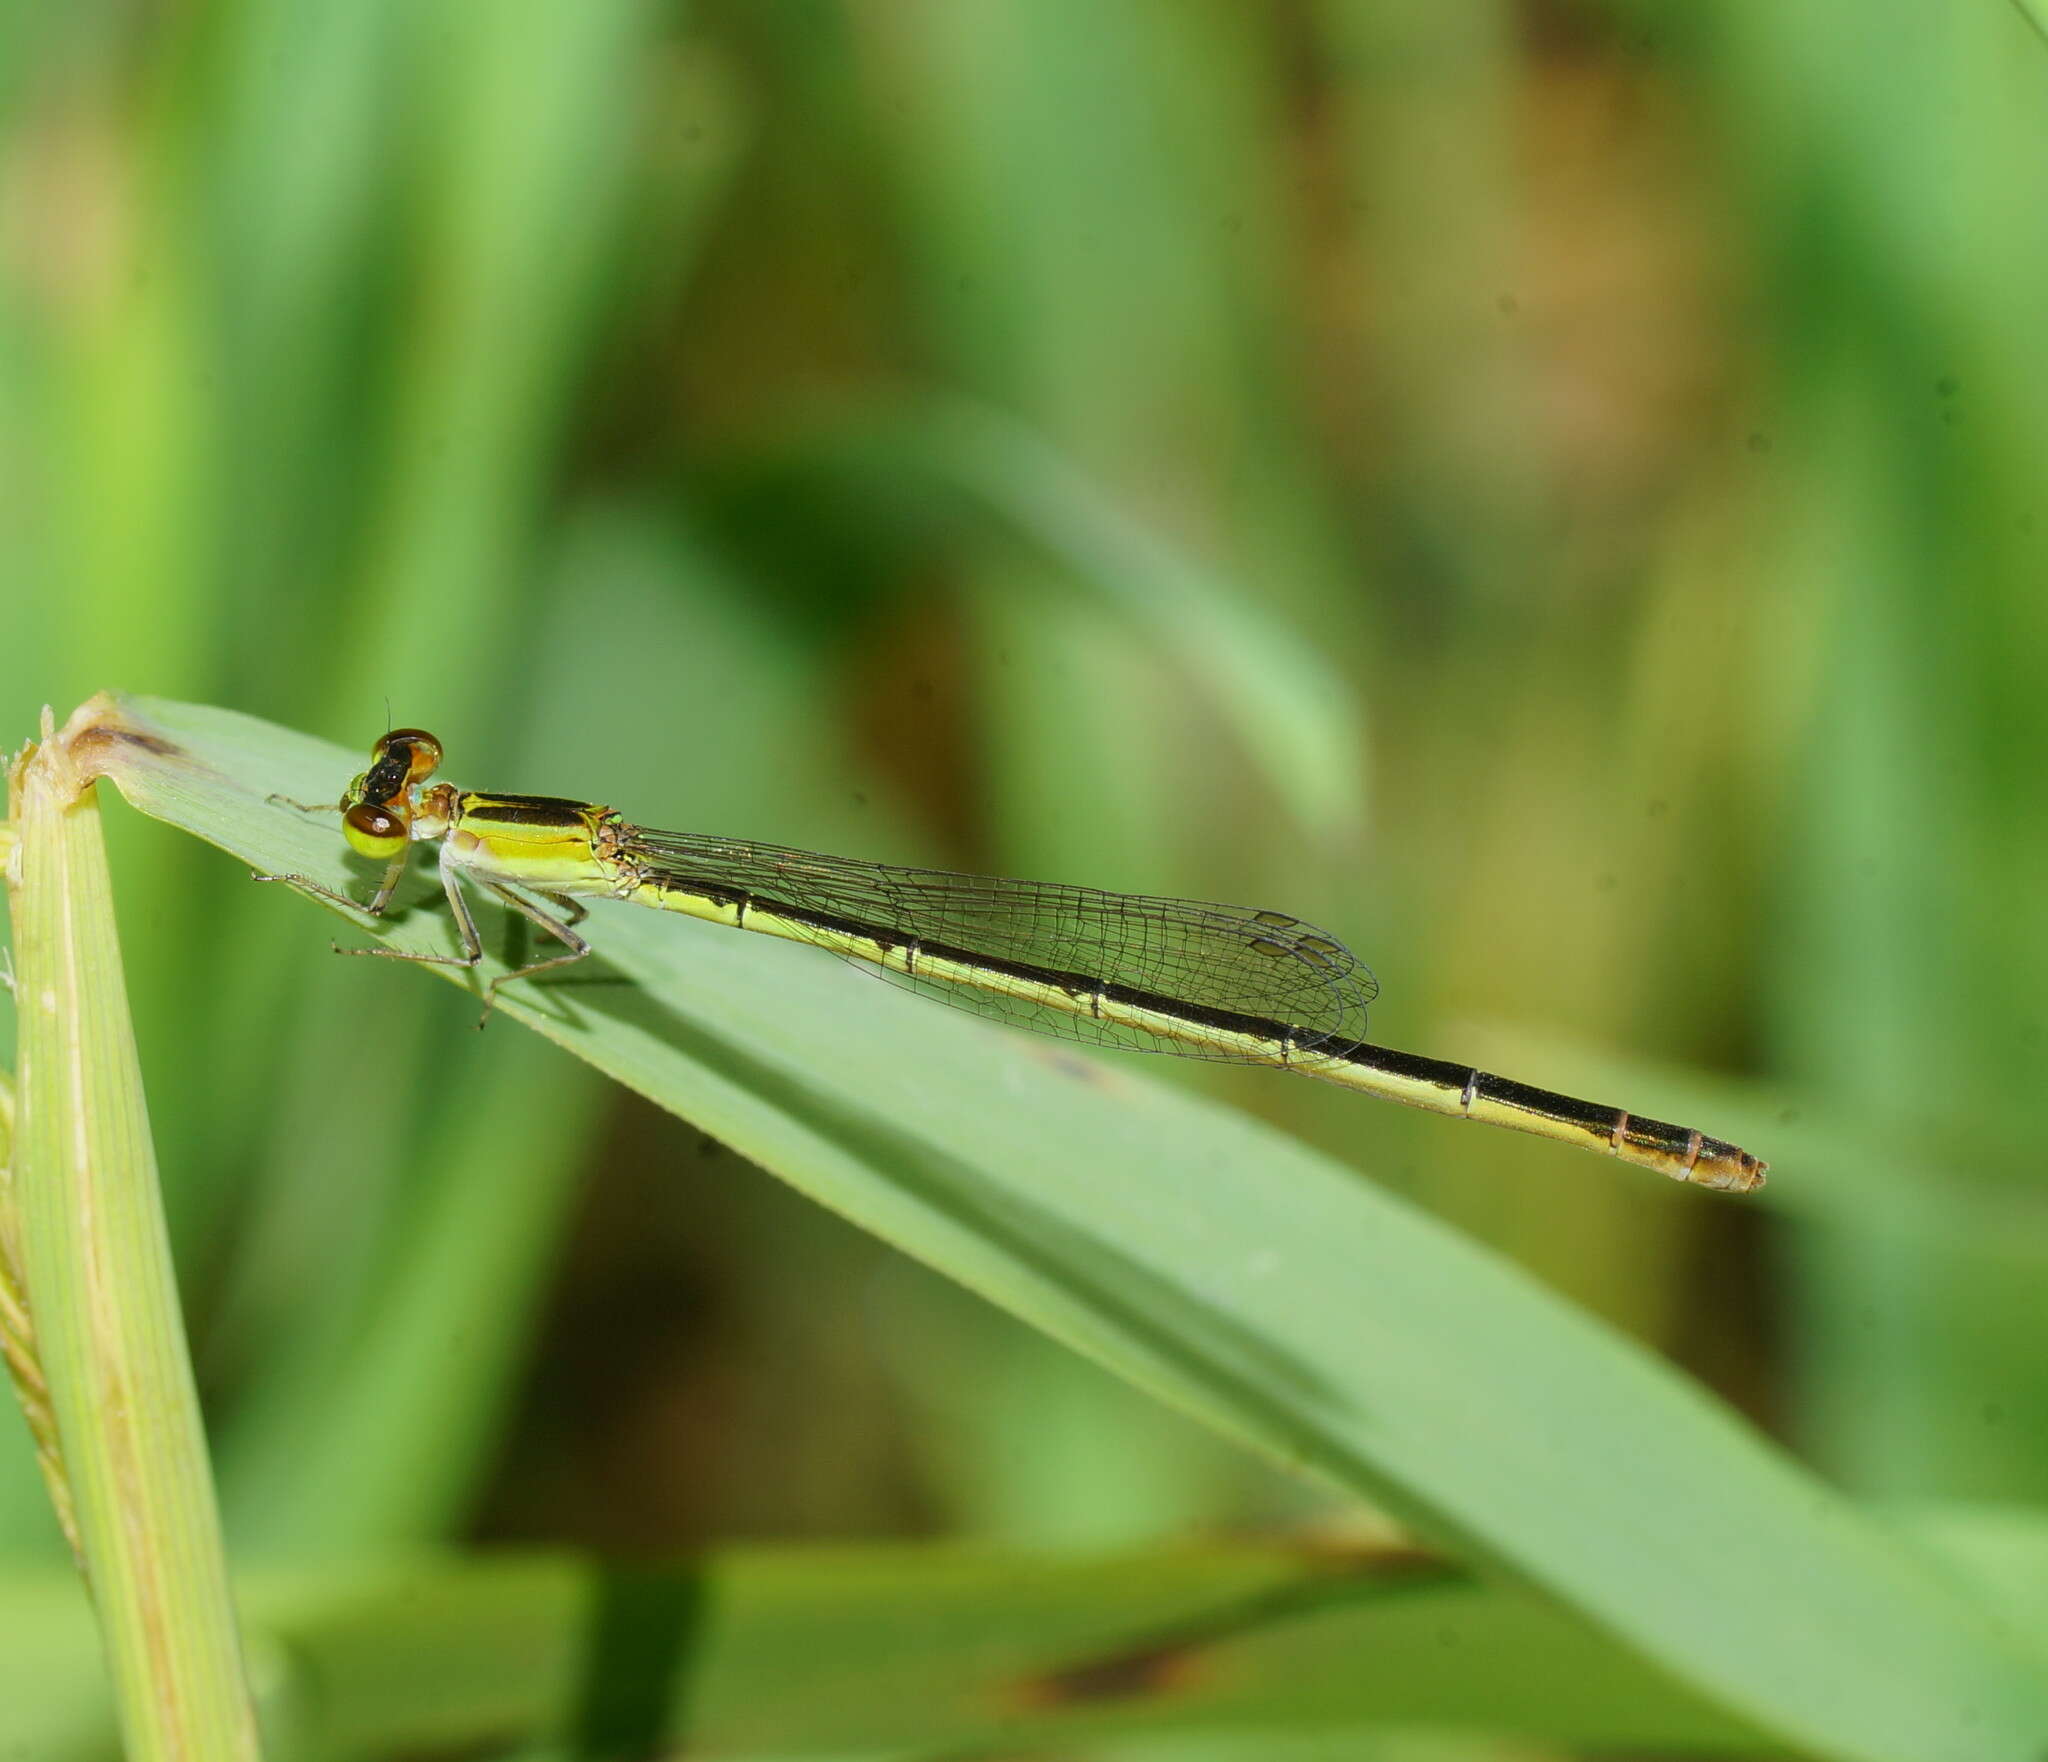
x,y
1236,958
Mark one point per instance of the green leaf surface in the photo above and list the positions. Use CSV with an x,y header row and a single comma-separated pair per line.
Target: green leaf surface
x,y
1224,1268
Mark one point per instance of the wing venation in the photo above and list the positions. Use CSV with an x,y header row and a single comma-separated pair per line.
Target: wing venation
x,y
1238,959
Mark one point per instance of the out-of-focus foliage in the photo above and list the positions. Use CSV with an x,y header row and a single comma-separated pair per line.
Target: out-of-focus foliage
x,y
1547,489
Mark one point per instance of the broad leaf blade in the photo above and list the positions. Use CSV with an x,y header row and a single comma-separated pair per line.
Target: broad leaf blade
x,y
1236,1274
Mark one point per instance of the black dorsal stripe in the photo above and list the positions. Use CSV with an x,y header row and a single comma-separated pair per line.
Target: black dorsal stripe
x,y
530,810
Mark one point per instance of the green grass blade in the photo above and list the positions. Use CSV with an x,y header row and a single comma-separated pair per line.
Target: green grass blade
x,y
2036,14
904,1649
941,1651
1206,1259
1296,714
102,1299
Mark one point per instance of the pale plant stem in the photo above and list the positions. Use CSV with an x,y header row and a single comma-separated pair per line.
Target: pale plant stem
x,y
94,1335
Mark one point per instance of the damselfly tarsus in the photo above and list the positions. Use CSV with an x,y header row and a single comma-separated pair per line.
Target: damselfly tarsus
x,y
1162,975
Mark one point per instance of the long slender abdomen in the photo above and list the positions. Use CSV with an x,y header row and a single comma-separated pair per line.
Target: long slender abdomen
x,y
1435,1084
1677,1151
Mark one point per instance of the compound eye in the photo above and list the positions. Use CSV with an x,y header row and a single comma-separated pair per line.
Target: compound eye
x,y
373,831
421,750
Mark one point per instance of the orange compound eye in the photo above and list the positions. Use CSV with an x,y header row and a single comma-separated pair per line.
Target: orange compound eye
x,y
421,751
373,831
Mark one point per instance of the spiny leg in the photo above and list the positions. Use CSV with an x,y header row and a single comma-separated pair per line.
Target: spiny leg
x,y
558,928
465,925
394,872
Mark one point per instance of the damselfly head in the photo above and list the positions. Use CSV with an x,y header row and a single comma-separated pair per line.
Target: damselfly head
x,y
377,807
397,762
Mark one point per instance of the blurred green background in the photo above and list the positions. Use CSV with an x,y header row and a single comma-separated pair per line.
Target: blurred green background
x,y
1548,490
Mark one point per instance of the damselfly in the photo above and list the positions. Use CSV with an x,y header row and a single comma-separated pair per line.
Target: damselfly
x,y
1162,975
